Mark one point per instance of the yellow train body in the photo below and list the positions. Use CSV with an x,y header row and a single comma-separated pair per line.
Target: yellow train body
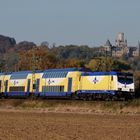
x,y
106,82
64,83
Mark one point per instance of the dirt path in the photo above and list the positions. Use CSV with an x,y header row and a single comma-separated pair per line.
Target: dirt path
x,y
60,126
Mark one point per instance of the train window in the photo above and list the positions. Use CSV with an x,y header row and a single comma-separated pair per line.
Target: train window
x,y
19,76
49,75
5,83
58,75
0,85
53,88
61,88
65,74
55,74
61,74
14,89
111,78
46,75
57,89
34,86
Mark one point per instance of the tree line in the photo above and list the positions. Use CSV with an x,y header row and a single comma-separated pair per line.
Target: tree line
x,y
43,57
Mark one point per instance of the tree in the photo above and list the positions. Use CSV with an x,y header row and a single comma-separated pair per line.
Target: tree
x,y
93,64
72,63
38,58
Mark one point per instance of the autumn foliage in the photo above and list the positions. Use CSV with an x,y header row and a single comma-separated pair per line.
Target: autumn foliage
x,y
37,59
41,58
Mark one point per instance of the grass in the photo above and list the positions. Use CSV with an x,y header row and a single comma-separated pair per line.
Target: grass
x,y
80,104
70,105
133,103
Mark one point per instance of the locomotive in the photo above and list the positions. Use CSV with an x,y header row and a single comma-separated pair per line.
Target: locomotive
x,y
75,83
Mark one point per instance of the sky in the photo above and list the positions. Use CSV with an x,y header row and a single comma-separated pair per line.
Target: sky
x,y
64,22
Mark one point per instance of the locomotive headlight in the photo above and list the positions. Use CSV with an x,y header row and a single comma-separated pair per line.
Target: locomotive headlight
x,y
132,90
120,89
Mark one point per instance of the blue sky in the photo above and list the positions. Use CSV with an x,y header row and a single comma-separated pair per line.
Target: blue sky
x,y
89,22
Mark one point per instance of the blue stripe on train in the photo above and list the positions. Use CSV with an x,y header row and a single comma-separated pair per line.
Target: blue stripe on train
x,y
10,94
96,92
58,94
42,94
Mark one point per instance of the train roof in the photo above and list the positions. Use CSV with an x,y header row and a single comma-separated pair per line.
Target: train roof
x,y
106,73
68,70
48,70
1,74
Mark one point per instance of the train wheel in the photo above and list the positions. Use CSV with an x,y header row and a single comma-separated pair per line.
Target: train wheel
x,y
2,96
87,98
32,96
114,98
73,96
108,98
90,98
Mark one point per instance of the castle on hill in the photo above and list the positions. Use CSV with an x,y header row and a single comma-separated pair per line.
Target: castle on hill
x,y
121,47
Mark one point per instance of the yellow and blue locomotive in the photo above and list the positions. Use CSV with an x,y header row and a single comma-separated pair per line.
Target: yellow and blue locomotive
x,y
106,85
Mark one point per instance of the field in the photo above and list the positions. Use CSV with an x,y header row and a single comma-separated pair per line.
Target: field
x,y
67,126
44,120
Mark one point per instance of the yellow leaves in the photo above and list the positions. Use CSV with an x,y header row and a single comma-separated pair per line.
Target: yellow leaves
x,y
93,64
36,59
72,62
100,64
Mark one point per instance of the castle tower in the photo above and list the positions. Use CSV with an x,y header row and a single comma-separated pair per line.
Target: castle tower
x,y
120,37
121,41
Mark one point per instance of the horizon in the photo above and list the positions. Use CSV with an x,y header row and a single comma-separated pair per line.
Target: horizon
x,y
81,22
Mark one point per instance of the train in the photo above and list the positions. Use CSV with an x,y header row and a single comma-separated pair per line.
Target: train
x,y
70,83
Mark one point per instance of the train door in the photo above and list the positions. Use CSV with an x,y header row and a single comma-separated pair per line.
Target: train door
x,y
6,86
0,86
111,82
69,85
37,85
28,86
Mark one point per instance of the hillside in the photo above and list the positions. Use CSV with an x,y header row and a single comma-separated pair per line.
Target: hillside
x,y
6,43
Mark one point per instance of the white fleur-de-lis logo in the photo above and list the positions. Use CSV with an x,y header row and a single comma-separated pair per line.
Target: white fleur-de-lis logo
x,y
125,85
50,82
15,82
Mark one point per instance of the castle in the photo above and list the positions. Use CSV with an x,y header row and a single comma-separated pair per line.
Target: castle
x,y
121,47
